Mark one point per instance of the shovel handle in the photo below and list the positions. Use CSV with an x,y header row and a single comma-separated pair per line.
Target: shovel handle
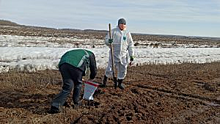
x,y
110,31
112,56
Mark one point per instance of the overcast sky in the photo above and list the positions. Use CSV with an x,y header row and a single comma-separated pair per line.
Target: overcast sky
x,y
176,17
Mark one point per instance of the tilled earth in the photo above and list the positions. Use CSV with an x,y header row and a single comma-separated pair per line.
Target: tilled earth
x,y
185,93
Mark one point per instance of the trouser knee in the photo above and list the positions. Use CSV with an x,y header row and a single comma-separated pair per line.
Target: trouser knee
x,y
68,85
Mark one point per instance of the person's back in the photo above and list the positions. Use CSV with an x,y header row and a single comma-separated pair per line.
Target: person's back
x,y
74,57
80,58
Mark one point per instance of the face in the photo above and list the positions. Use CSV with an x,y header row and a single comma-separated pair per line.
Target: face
x,y
122,26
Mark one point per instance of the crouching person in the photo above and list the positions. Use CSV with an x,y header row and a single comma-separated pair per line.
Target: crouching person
x,y
72,66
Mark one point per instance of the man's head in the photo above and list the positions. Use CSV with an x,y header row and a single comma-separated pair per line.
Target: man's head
x,y
122,23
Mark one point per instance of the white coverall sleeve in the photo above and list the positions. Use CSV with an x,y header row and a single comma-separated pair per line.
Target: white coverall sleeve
x,y
130,45
106,39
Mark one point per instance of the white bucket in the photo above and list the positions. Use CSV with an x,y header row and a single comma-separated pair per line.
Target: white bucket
x,y
89,90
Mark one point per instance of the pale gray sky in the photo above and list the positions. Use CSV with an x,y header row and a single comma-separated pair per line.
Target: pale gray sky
x,y
175,17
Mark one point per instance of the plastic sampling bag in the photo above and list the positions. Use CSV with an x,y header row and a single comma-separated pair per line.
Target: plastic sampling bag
x,y
89,90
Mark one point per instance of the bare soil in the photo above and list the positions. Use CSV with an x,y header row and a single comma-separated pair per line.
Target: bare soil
x,y
186,93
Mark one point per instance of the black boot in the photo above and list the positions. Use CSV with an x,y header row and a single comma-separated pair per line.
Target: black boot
x,y
104,81
53,110
120,84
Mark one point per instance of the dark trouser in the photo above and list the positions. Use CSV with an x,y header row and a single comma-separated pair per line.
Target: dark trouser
x,y
72,77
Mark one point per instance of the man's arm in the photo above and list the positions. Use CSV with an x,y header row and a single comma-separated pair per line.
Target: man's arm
x,y
130,45
92,66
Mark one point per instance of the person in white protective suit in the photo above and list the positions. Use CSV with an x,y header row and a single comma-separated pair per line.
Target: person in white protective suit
x,y
122,50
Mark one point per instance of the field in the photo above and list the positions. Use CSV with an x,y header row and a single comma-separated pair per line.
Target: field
x,y
173,93
186,93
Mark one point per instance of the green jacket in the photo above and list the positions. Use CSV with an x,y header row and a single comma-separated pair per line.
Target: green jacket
x,y
82,59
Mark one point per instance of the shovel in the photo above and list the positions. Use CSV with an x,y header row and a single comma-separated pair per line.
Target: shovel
x,y
112,56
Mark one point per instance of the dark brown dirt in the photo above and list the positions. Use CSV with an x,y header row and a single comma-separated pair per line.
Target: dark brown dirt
x,y
186,93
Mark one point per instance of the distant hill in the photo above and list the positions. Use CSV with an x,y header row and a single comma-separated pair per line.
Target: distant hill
x,y
8,23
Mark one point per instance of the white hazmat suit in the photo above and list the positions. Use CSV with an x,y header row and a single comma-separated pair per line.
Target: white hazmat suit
x,y
122,49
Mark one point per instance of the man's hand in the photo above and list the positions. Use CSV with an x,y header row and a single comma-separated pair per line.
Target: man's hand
x,y
110,40
131,58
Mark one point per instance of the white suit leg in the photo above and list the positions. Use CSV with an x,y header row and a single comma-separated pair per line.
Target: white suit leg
x,y
122,70
108,70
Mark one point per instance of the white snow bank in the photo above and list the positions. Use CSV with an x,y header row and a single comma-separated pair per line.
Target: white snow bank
x,y
41,58
31,53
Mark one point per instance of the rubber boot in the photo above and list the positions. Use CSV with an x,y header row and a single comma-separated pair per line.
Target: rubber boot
x,y
120,84
104,81
53,110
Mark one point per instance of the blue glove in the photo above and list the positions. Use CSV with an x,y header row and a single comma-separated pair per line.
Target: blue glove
x,y
110,40
131,58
